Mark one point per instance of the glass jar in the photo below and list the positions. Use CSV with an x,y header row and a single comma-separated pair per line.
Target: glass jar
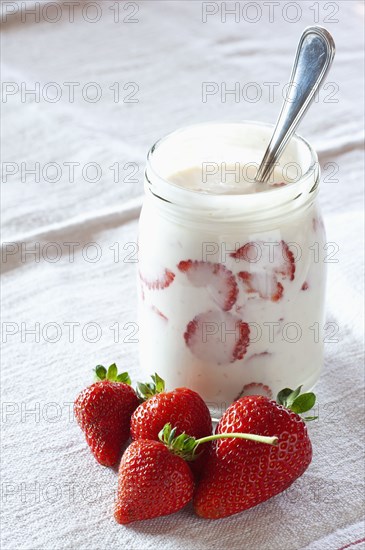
x,y
231,280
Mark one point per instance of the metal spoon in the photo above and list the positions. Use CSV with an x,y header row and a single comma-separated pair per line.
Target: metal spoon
x,y
315,53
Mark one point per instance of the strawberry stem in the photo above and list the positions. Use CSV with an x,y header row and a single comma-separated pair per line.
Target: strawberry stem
x,y
251,437
185,446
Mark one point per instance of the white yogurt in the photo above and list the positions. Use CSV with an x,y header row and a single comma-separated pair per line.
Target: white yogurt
x,y
228,178
231,276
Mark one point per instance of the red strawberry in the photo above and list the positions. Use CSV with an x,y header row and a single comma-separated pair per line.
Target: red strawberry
x,y
153,482
217,337
158,281
154,479
103,411
241,474
216,278
250,252
266,286
267,257
182,407
287,267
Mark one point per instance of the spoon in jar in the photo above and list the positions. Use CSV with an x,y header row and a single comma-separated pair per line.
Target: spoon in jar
x,y
315,53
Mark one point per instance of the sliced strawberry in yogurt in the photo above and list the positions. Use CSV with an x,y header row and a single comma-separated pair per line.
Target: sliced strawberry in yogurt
x,y
159,313
286,268
255,388
269,257
217,337
216,278
263,284
250,252
158,281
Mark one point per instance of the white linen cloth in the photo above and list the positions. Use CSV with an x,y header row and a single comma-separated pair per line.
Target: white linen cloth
x,y
54,493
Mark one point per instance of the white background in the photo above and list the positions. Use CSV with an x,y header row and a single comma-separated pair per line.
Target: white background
x,y
54,493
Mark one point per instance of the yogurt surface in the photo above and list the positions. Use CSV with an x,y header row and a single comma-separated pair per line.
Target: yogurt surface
x,y
225,178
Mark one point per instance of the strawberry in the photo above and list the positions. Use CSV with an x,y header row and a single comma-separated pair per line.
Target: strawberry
x,y
155,480
265,263
159,313
182,407
287,264
241,474
152,482
217,337
275,257
255,388
215,278
103,411
266,286
158,281
250,252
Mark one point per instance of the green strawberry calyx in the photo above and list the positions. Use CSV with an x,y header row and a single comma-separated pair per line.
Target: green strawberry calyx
x,y
145,391
101,373
297,402
185,445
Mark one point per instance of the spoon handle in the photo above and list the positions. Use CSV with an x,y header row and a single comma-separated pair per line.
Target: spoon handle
x,y
315,53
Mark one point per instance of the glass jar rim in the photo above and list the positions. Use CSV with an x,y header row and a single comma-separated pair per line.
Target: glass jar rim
x,y
306,187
